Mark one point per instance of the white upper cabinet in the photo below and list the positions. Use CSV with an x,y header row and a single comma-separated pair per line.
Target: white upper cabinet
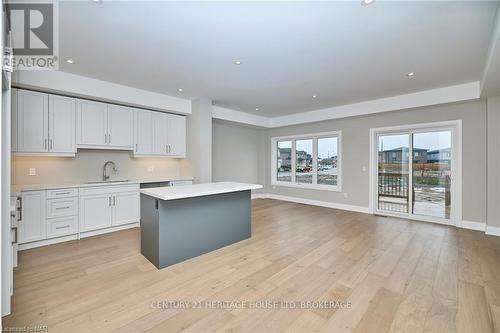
x,y
32,121
143,132
176,135
160,121
62,117
46,124
102,125
43,123
159,134
92,123
120,126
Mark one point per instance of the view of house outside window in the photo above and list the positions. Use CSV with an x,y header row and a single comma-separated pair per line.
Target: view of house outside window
x,y
284,160
327,161
311,161
304,161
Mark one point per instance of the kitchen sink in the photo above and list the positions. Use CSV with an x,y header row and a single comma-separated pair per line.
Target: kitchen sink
x,y
107,181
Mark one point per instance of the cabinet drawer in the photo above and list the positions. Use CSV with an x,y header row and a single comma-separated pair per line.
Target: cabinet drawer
x,y
62,207
62,193
61,226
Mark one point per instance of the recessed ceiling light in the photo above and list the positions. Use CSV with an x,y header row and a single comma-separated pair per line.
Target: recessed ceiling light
x,y
367,2
180,90
314,96
97,1
70,61
256,109
410,74
237,62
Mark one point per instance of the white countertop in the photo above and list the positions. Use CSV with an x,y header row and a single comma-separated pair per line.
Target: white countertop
x,y
197,190
17,189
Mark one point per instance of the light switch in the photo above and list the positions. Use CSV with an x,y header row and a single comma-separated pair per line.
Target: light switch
x,y
364,168
345,195
32,172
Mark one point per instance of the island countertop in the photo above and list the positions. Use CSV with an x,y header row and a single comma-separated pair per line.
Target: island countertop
x,y
197,190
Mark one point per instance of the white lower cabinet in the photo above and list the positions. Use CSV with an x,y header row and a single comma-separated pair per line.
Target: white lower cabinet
x,y
62,226
32,226
125,208
95,212
56,213
104,207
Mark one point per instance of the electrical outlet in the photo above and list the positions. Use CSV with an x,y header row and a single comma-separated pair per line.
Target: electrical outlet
x,y
345,195
363,168
32,171
151,168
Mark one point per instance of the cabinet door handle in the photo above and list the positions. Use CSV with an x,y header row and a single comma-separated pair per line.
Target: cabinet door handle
x,y
45,144
65,207
61,193
51,144
63,227
114,201
15,237
136,148
105,138
109,138
109,201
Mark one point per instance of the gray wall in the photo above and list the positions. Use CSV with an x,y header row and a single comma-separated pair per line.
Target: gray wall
x,y
493,106
356,151
198,136
238,153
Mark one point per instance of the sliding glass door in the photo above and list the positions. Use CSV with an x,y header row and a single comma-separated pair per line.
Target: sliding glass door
x,y
414,172
393,182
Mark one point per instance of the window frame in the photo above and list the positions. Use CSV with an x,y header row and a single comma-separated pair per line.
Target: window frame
x,y
293,182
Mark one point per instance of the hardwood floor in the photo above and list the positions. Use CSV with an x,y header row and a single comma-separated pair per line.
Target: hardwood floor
x,y
396,275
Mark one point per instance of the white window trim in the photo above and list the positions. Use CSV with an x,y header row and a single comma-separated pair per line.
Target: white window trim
x,y
314,136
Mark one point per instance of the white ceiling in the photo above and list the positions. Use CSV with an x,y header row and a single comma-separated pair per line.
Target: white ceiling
x,y
340,51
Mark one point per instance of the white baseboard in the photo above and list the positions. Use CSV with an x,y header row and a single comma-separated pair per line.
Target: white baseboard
x,y
494,231
44,242
478,226
62,239
471,225
352,208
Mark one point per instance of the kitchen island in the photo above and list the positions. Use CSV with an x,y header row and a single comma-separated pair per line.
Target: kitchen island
x,y
179,223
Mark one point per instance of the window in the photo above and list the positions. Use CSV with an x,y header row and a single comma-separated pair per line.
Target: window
x,y
304,161
284,161
327,161
309,161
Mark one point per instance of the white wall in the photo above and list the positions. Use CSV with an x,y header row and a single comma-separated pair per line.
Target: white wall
x,y
84,87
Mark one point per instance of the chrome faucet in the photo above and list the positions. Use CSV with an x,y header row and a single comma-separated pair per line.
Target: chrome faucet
x,y
105,176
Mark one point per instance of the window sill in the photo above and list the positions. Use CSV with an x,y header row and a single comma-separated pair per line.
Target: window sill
x,y
330,188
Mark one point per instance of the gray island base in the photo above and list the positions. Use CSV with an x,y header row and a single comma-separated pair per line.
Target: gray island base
x,y
175,230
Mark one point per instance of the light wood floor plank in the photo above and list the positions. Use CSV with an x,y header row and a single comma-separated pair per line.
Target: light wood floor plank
x,y
398,275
